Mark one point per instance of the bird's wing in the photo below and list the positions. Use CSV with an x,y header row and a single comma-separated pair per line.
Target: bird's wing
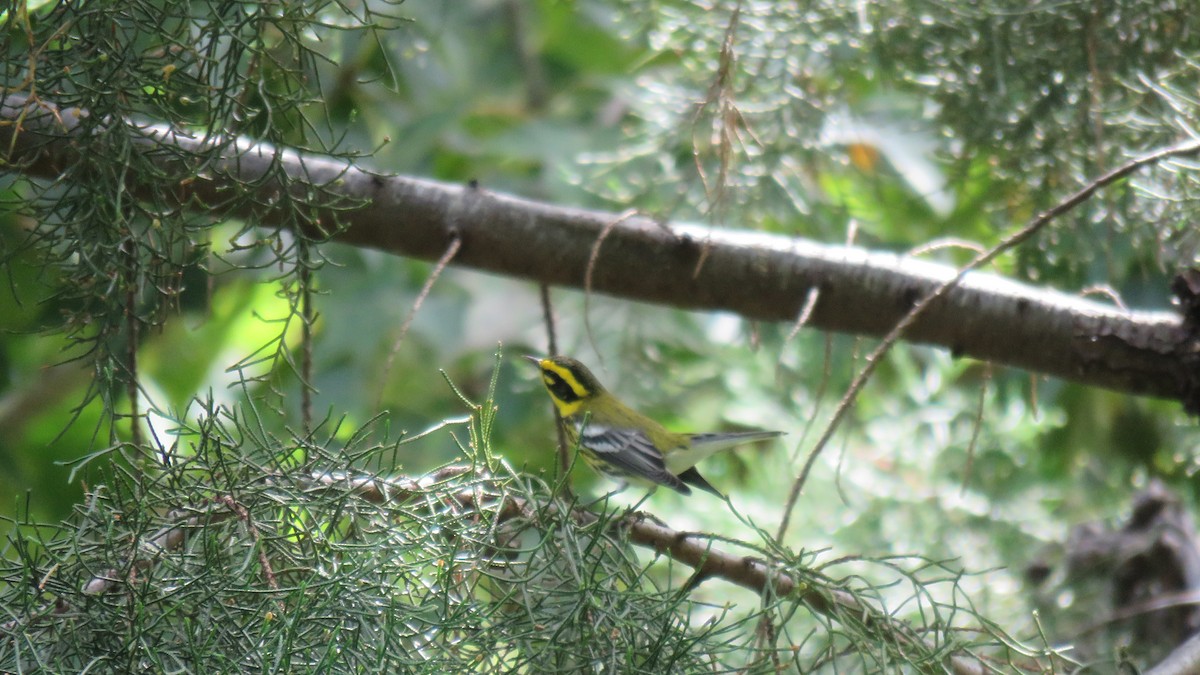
x,y
629,451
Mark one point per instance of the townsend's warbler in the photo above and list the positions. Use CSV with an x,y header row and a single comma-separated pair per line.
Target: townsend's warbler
x,y
624,444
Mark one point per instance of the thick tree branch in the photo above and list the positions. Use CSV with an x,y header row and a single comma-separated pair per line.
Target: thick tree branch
x,y
760,276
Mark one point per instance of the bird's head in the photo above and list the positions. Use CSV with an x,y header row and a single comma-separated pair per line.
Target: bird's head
x,y
569,382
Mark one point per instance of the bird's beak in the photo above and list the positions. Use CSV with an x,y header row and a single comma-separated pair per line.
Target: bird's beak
x,y
537,360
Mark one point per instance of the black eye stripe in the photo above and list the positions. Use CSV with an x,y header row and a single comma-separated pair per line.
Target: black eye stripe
x,y
559,387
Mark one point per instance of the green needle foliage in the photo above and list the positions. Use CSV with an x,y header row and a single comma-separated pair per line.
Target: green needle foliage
x,y
235,558
282,570
118,244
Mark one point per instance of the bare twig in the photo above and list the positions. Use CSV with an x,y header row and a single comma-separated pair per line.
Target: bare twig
x,y
726,120
818,396
167,539
1106,291
591,268
307,317
438,268
945,243
564,451
537,88
132,323
1013,240
810,303
244,516
976,427
548,319
1155,603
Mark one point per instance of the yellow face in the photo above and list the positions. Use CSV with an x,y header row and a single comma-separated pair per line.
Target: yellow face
x,y
567,382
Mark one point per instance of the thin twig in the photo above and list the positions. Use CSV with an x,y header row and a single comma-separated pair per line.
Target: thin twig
x,y
945,243
564,452
765,636
438,268
374,489
548,318
128,248
537,89
977,426
306,337
591,268
1158,603
818,397
719,93
726,119
1018,237
806,311
1106,291
244,516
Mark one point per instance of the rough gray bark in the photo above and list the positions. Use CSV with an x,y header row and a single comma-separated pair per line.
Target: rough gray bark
x,y
759,276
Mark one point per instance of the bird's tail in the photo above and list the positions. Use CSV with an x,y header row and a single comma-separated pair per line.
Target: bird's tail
x,y
715,442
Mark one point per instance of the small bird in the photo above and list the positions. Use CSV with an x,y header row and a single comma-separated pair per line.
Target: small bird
x,y
624,444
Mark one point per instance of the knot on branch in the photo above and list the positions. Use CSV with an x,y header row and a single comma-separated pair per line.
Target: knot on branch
x,y
1186,289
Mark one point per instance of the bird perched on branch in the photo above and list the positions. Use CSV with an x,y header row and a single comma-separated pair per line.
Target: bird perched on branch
x,y
624,444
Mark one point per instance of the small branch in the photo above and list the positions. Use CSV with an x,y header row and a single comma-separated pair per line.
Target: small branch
x,y
244,515
307,317
451,251
593,258
163,541
129,251
976,428
564,450
926,302
537,88
810,302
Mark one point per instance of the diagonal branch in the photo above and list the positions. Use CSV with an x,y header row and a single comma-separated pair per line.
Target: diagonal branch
x,y
759,276
928,301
